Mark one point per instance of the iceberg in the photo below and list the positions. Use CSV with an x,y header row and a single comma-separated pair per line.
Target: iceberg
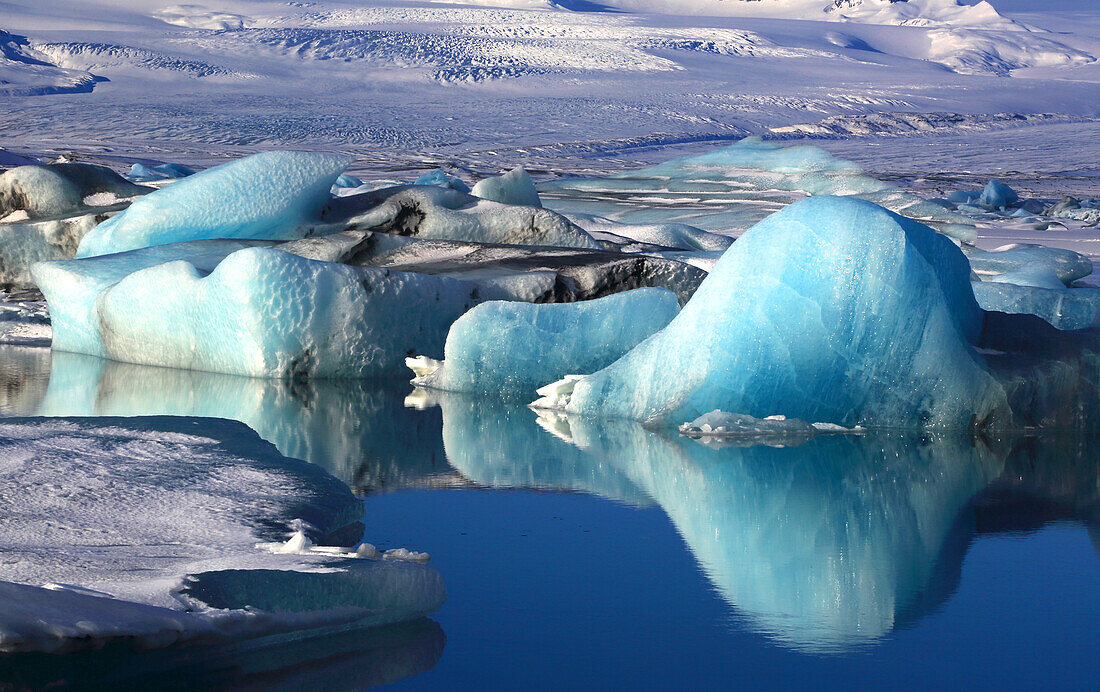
x,y
730,189
512,348
240,308
1063,308
675,236
166,534
61,189
440,178
1066,265
513,187
140,173
24,243
997,195
832,310
272,195
440,213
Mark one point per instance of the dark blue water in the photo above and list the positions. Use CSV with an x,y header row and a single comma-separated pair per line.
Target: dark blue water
x,y
584,554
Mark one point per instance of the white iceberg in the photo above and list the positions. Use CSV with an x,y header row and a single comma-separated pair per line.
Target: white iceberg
x,y
513,187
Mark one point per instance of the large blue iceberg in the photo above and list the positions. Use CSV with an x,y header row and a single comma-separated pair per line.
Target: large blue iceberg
x,y
832,310
271,195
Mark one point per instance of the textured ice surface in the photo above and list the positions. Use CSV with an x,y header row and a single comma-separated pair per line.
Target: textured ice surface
x,y
441,213
440,178
513,348
509,272
271,195
729,189
678,236
997,195
140,173
258,312
832,310
1064,308
149,529
1067,265
60,189
25,243
513,187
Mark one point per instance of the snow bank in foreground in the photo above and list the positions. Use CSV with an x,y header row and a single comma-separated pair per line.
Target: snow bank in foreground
x,y
511,348
831,310
152,529
269,195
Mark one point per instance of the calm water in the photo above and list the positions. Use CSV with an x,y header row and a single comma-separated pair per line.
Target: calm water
x,y
606,555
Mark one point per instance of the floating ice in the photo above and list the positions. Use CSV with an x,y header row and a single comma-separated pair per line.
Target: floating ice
x,y
257,312
60,189
750,179
513,187
1067,265
512,348
743,429
439,178
140,173
832,310
158,543
271,195
679,236
23,244
439,213
997,195
1035,294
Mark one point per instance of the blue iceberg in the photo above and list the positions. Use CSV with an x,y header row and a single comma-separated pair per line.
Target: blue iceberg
x,y
512,348
513,187
272,195
833,310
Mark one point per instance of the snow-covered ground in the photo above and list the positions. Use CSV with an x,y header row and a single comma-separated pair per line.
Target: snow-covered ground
x,y
405,85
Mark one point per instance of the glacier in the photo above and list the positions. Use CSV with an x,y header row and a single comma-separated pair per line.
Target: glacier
x,y
165,521
271,195
511,348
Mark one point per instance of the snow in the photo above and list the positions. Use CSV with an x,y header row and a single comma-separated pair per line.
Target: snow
x,y
269,195
831,310
513,348
147,529
513,187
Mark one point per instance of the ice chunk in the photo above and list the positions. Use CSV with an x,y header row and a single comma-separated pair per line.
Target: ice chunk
x,y
679,236
743,429
431,212
158,543
512,348
140,173
1064,308
270,195
729,189
439,178
513,187
258,312
60,189
346,180
832,310
1037,274
509,272
23,244
1067,265
997,195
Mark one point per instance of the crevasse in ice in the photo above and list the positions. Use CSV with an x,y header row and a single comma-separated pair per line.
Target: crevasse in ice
x,y
271,195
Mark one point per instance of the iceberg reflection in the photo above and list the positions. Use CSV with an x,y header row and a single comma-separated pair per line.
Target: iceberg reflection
x,y
823,546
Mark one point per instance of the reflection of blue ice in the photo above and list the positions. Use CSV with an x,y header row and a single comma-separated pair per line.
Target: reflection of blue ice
x,y
358,431
822,546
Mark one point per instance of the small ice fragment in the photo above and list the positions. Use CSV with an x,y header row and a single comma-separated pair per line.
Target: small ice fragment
x,y
405,554
423,365
366,550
